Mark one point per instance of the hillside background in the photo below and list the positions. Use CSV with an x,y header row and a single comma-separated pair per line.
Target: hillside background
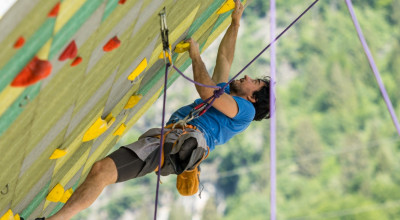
x,y
337,148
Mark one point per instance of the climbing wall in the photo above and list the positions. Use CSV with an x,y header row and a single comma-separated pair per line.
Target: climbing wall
x,y
74,76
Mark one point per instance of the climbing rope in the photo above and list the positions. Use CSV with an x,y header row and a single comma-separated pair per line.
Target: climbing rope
x,y
373,66
272,119
165,41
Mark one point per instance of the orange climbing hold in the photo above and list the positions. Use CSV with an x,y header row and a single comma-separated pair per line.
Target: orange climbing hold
x,y
70,52
34,71
121,2
19,43
54,11
112,44
77,61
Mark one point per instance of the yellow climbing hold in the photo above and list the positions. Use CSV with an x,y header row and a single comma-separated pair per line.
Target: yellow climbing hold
x,y
57,154
227,6
120,130
139,69
133,100
182,47
8,215
67,194
98,128
16,217
56,193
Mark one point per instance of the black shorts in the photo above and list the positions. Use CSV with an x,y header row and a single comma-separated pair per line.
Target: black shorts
x,y
130,166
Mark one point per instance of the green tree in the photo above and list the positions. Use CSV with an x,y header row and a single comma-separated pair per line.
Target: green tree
x,y
210,210
307,149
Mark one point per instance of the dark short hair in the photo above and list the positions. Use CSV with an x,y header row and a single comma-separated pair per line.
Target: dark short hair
x,y
262,101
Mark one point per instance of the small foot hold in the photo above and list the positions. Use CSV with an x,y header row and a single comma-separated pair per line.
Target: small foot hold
x,y
70,52
133,100
138,70
56,193
77,61
98,128
58,153
112,44
120,130
19,43
54,11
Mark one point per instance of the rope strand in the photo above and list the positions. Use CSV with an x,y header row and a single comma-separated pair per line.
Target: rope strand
x,y
162,137
373,66
273,115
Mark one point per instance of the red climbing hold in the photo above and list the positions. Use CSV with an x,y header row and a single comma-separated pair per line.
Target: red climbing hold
x,y
34,71
69,52
77,61
19,43
112,44
54,11
121,2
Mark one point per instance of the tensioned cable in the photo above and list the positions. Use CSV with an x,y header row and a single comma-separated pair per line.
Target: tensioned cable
x,y
272,114
161,137
373,66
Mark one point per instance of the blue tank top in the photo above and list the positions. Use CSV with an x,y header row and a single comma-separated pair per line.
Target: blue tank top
x,y
217,127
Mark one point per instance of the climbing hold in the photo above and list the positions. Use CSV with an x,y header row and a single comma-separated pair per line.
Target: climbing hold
x,y
98,128
69,52
54,11
133,100
56,193
227,6
19,43
8,215
77,61
17,217
121,2
120,130
182,47
34,71
139,69
112,44
57,154
67,194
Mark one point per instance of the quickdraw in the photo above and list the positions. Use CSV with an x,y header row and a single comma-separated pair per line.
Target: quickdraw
x,y
164,37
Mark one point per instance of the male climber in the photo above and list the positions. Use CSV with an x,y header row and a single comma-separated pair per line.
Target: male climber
x,y
244,100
